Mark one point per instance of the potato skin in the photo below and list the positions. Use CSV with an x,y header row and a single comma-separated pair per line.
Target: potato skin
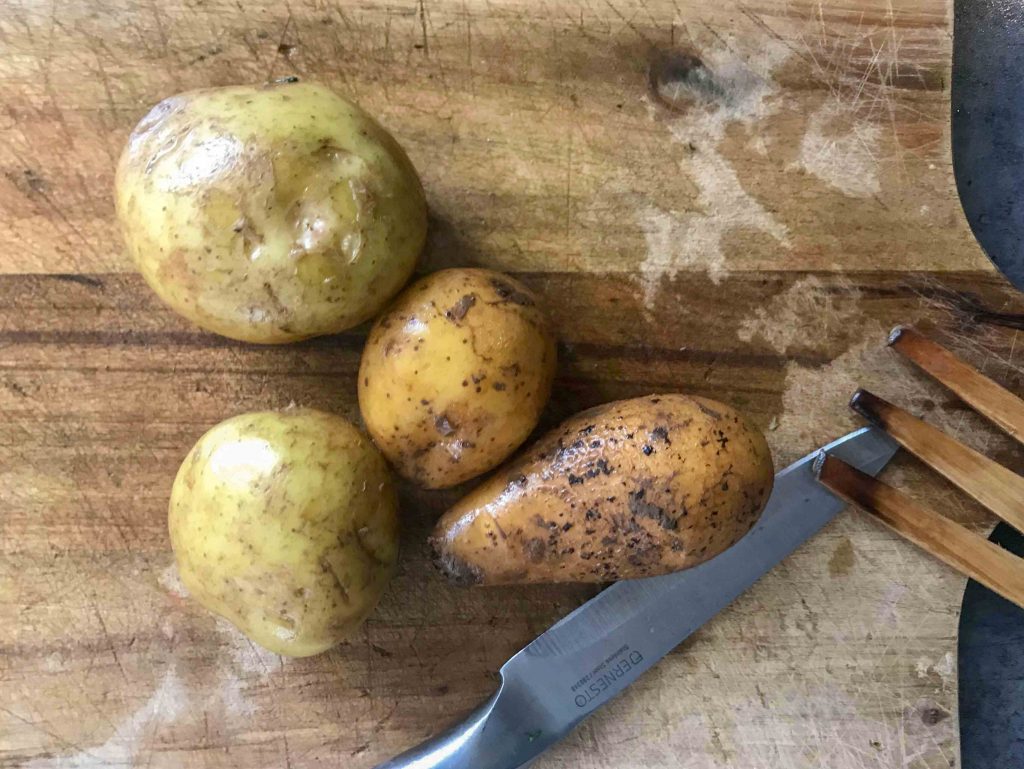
x,y
285,523
629,489
455,374
269,213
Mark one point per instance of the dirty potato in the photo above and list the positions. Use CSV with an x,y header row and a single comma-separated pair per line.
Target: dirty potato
x,y
455,374
629,489
285,524
269,213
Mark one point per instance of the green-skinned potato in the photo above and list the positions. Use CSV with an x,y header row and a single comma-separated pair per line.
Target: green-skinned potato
x,y
629,489
269,213
455,374
285,523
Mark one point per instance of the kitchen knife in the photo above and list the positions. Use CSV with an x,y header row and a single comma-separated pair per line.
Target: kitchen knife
x,y
988,126
990,652
603,646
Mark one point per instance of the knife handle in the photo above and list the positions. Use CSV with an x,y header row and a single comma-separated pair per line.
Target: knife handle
x,y
502,733
455,748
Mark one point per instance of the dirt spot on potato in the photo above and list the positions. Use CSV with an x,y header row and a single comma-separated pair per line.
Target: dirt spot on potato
x,y
661,434
458,310
642,508
509,293
458,571
535,549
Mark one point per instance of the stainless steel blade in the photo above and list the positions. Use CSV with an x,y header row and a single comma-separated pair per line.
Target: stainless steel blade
x,y
603,646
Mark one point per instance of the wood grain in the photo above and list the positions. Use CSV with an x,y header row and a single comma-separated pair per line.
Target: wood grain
x,y
752,244
989,398
534,126
970,554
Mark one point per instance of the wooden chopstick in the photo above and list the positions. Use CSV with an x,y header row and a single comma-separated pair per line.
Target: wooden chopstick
x,y
970,554
997,488
988,399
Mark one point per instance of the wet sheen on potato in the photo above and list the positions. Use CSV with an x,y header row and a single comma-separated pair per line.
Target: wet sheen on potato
x,y
285,523
269,213
630,489
455,374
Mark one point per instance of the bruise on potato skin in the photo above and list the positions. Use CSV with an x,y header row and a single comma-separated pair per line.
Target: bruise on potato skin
x,y
455,374
586,503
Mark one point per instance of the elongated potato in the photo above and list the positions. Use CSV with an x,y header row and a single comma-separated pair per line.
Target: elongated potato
x,y
629,489
455,375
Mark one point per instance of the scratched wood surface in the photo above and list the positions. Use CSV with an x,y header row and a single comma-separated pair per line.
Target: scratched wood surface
x,y
752,240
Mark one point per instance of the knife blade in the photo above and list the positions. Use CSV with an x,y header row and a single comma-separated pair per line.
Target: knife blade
x,y
599,649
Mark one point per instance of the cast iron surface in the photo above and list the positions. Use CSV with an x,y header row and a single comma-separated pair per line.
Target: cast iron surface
x,y
988,126
991,670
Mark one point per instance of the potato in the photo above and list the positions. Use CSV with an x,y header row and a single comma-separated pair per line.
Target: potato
x,y
269,213
455,375
629,489
285,524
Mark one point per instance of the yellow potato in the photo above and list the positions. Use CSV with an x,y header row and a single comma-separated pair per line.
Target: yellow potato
x,y
629,489
455,375
285,523
269,213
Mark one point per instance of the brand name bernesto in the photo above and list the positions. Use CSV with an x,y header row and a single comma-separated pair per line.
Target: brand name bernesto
x,y
595,684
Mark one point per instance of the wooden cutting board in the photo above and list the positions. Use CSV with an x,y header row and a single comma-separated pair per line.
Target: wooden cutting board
x,y
753,241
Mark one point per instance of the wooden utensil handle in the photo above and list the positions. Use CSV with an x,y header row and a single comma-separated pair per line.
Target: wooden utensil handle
x,y
989,399
997,488
965,551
